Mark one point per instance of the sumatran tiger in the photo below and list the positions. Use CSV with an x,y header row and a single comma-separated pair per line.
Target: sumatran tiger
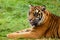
x,y
43,24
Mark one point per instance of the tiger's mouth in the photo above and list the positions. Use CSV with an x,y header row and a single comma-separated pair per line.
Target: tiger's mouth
x,y
35,22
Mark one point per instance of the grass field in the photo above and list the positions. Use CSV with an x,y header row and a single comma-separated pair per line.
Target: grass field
x,y
13,14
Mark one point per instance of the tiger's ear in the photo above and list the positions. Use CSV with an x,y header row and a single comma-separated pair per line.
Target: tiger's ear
x,y
30,6
43,8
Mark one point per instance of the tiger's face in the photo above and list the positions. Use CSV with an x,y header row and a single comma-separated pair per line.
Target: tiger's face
x,y
36,15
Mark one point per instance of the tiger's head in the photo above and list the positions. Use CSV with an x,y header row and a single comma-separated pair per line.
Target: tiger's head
x,y
37,15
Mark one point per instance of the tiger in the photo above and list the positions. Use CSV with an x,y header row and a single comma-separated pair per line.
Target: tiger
x,y
43,24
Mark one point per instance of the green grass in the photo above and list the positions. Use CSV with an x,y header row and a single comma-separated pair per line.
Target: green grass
x,y
13,14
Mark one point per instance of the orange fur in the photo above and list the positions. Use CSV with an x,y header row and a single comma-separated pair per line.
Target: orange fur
x,y
50,27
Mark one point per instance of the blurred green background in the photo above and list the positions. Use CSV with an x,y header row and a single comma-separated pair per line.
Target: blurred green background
x,y
13,14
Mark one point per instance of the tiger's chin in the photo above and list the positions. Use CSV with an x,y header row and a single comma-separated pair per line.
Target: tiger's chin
x,y
35,24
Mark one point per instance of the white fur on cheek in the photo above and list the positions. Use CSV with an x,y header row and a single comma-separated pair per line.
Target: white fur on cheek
x,y
42,20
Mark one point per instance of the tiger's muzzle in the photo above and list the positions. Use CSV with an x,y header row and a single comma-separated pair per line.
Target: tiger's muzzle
x,y
35,21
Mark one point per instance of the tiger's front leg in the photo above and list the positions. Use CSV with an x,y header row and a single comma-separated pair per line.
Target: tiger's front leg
x,y
27,33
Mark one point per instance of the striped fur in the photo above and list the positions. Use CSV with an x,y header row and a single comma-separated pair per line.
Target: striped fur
x,y
45,25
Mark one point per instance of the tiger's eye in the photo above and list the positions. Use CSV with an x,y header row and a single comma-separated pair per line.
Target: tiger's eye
x,y
39,14
35,14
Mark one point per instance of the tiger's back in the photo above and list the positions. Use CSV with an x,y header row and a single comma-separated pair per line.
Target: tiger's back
x,y
53,27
